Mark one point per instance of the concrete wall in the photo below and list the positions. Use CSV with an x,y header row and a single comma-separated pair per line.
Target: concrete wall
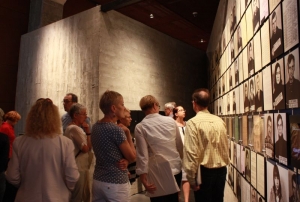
x,y
92,51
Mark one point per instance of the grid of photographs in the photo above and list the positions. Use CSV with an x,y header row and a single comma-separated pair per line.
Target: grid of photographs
x,y
256,88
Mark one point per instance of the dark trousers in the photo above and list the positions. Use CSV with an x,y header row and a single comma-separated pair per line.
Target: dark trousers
x,y
213,184
171,197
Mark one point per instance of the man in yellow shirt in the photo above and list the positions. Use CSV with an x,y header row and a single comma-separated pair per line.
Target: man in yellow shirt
x,y
206,145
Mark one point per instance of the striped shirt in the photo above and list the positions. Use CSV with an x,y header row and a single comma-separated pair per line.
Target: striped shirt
x,y
205,144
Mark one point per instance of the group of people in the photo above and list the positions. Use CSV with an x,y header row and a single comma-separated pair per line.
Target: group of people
x,y
48,166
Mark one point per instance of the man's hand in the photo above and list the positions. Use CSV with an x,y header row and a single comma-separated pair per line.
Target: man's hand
x,y
150,187
122,164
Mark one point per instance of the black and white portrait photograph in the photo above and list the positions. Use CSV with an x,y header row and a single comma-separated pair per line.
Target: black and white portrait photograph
x,y
269,135
290,23
230,76
278,97
246,97
295,140
264,10
252,94
276,42
233,20
247,172
228,108
234,104
257,51
277,182
258,133
232,54
292,77
293,187
280,137
236,71
267,88
256,15
259,103
250,58
239,39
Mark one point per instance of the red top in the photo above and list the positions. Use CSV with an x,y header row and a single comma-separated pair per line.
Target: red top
x,y
8,130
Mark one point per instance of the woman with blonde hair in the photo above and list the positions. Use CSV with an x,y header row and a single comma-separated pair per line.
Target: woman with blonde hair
x,y
111,143
43,164
11,119
81,138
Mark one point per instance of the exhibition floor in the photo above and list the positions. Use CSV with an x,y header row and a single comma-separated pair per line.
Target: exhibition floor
x,y
228,196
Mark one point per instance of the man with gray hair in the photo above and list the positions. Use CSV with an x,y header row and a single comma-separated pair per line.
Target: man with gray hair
x,y
169,106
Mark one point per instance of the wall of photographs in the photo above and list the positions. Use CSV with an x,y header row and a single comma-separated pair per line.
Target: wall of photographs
x,y
255,88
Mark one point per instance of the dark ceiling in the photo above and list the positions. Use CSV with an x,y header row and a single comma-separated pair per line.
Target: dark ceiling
x,y
175,18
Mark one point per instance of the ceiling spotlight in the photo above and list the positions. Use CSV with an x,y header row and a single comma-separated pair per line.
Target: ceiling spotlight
x,y
151,15
195,14
202,41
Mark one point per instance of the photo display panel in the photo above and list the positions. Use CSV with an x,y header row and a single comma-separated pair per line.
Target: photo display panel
x,y
253,169
295,140
265,43
280,137
269,135
252,94
267,86
256,15
259,93
292,79
257,51
278,96
276,35
249,20
277,183
290,23
247,173
261,174
258,133
264,10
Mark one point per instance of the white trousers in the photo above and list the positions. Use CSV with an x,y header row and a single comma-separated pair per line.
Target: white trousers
x,y
109,192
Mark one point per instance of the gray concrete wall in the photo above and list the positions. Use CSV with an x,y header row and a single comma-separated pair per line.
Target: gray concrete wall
x,y
92,51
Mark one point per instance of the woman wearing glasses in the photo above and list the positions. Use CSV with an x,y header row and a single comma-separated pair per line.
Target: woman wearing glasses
x,y
179,115
81,138
43,164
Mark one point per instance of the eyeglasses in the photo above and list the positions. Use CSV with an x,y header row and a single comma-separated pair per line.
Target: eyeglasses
x,y
157,105
42,99
181,110
66,101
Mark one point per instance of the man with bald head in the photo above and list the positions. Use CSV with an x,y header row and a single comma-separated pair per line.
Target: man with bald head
x,y
206,145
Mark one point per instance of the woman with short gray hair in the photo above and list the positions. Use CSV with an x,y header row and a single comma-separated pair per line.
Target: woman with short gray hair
x,y
79,132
